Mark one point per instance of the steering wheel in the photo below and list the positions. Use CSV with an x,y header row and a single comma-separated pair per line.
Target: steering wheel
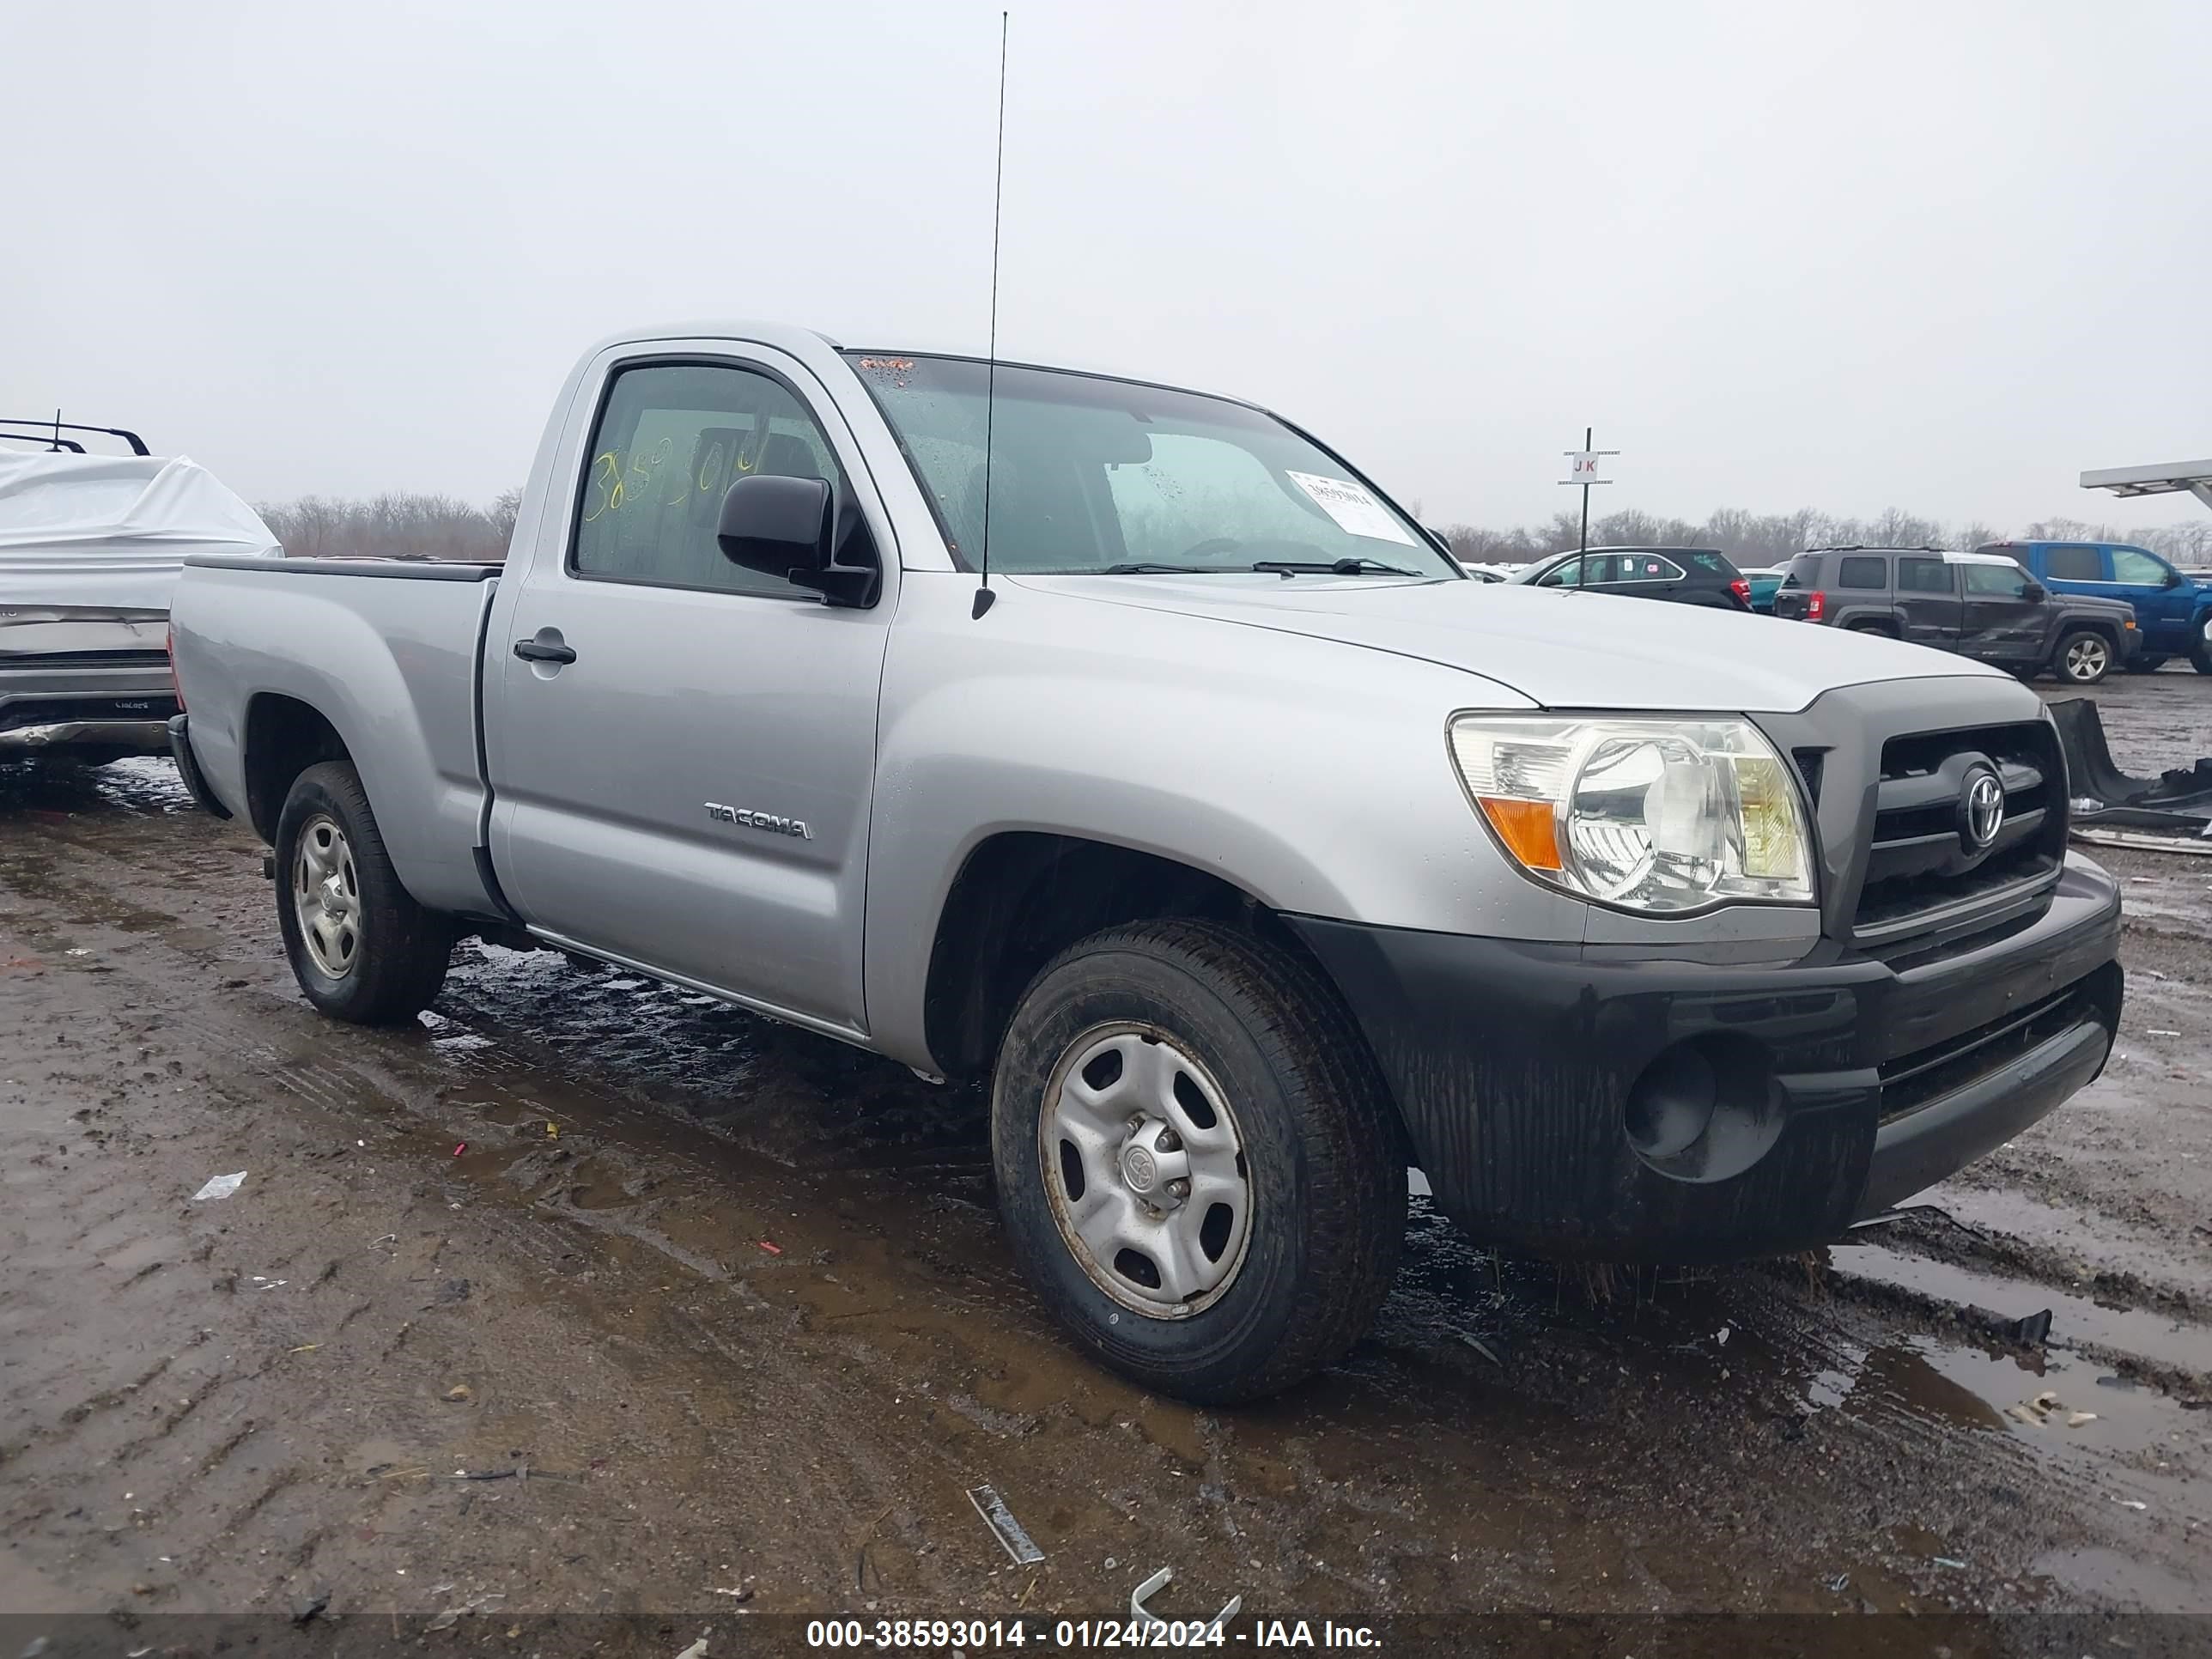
x,y
1215,545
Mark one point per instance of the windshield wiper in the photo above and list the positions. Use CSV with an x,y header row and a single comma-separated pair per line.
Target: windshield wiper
x,y
1333,568
1148,569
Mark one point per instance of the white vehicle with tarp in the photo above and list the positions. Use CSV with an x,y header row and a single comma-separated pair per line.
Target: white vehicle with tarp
x,y
90,546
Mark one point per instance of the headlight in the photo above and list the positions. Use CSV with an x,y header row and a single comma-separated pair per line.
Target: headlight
x,y
1651,814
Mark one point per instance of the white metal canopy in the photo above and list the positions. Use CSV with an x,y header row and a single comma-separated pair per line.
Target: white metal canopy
x,y
2170,479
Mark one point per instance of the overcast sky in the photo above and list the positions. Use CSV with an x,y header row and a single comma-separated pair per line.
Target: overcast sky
x,y
1939,255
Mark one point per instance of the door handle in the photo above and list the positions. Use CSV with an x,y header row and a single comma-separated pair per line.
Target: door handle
x,y
544,650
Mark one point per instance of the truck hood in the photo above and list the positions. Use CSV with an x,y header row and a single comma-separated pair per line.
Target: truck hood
x,y
1560,648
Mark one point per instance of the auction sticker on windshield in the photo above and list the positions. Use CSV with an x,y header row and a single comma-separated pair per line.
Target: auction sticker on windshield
x,y
1356,512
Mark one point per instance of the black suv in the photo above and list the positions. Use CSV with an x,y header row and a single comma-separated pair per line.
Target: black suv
x,y
1687,575
1978,605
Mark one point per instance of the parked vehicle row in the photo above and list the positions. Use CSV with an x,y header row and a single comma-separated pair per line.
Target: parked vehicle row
x,y
1981,605
1247,848
2173,610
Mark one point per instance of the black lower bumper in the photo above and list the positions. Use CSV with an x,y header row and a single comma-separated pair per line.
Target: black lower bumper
x,y
1553,1092
181,747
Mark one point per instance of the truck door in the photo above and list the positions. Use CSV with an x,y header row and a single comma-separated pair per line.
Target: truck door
x,y
682,752
2073,568
2163,605
2001,623
1927,603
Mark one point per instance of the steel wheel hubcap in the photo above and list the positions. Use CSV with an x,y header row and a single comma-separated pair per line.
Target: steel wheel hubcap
x,y
1144,1169
2086,658
327,897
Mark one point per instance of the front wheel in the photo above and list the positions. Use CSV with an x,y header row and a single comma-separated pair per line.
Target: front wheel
x,y
1199,1169
360,946
2200,648
2084,657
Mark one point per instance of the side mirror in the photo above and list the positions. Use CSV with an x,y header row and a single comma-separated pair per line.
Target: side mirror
x,y
786,527
2035,592
2174,578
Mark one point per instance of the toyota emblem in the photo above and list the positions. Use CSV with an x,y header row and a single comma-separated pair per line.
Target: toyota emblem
x,y
1982,809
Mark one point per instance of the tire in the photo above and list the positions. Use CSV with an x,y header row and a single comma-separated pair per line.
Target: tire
x,y
1271,1055
2200,648
381,962
2083,657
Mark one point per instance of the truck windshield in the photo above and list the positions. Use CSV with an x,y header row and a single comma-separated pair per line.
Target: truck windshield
x,y
1092,475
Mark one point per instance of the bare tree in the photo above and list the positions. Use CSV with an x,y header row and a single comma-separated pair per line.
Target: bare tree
x,y
394,527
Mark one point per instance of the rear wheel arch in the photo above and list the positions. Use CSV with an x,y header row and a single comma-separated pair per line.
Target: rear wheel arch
x,y
284,736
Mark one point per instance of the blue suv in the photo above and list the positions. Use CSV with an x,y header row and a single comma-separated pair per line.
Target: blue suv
x,y
2174,611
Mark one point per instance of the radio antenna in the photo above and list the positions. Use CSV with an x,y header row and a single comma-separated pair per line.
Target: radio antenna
x,y
983,594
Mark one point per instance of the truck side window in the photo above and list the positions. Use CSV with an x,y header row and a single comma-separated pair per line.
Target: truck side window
x,y
2077,564
1569,574
1864,572
2007,579
1923,576
672,438
2131,564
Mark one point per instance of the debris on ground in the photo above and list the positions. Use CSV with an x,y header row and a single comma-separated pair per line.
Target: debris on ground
x,y
1008,1531
771,1246
696,1650
2030,1332
1146,1617
309,1606
459,1394
2044,1407
220,1187
2177,804
458,1150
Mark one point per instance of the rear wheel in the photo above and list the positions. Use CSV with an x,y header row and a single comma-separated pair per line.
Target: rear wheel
x,y
1883,630
1200,1170
2084,657
360,946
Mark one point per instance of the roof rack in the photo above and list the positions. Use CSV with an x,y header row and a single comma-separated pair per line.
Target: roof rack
x,y
57,426
46,438
1861,547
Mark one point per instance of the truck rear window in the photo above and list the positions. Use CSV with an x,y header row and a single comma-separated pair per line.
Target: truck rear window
x,y
1804,571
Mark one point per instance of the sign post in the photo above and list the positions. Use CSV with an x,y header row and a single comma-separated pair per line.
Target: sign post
x,y
1582,470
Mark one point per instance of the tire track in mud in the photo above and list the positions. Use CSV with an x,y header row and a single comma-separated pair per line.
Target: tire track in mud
x,y
892,1287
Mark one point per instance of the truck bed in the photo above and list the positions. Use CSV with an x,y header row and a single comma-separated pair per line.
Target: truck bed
x,y
387,650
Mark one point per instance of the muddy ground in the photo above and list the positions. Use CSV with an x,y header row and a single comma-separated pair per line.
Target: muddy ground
x,y
722,1311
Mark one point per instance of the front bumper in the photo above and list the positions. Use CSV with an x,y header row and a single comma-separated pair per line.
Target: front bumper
x,y
1844,1084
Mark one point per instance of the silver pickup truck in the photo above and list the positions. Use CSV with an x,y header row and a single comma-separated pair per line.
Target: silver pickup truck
x,y
1249,849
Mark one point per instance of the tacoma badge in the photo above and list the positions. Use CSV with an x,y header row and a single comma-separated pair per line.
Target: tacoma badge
x,y
752,820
